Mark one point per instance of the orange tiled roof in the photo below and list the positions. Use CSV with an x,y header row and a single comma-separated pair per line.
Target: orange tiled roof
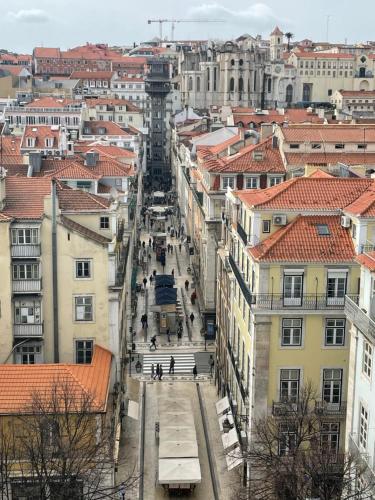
x,y
50,102
25,196
329,133
46,52
368,260
276,31
357,93
300,241
364,205
14,70
307,193
92,75
360,158
111,128
323,55
112,168
320,174
68,169
75,200
40,133
19,382
104,151
10,150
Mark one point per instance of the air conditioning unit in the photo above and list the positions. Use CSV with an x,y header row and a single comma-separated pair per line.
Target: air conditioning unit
x,y
345,221
279,220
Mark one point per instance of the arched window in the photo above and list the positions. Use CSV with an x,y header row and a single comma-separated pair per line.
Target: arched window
x,y
240,84
240,62
255,81
190,84
231,85
198,83
269,85
289,94
232,62
362,72
208,78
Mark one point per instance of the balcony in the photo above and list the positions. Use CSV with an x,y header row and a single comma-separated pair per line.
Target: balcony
x,y
238,373
242,233
284,408
359,317
25,251
28,330
308,302
27,286
240,278
365,458
330,409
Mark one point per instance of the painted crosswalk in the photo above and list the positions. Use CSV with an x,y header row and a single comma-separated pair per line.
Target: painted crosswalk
x,y
184,362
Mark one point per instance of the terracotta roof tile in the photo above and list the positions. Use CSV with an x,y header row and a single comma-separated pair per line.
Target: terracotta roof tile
x,y
320,174
360,158
307,193
357,93
92,75
40,133
367,260
103,150
19,382
10,150
329,133
75,200
323,55
300,241
110,128
50,102
25,196
68,169
364,205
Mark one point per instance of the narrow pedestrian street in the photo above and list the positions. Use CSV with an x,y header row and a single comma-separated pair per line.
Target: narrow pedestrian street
x,y
138,439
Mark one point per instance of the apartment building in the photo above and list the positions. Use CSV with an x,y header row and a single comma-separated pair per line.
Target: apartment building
x,y
286,261
50,140
45,111
93,83
64,255
326,146
119,111
354,102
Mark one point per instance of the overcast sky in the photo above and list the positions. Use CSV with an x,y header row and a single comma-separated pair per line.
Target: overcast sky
x,y
25,24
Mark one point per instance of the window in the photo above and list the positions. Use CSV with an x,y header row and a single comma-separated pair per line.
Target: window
x,y
363,427
26,272
104,222
83,269
83,308
339,146
25,236
316,146
335,332
323,229
85,185
28,354
330,90
336,287
30,142
354,231
329,437
287,439
293,284
367,359
49,142
332,385
289,385
228,182
251,182
275,180
26,312
84,350
266,226
231,85
361,146
294,146
291,332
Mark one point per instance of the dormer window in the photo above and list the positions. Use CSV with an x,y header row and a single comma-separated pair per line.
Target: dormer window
x,y
49,142
30,141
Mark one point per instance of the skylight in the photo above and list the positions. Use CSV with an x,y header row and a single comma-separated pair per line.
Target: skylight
x,y
323,229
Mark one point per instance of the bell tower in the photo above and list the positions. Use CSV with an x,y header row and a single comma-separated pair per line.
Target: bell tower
x,y
276,44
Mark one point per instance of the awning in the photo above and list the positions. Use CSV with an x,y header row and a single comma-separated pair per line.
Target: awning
x,y
164,280
179,470
222,405
229,439
165,296
178,449
234,458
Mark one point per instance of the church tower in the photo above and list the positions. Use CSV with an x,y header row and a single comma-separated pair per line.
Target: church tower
x,y
276,44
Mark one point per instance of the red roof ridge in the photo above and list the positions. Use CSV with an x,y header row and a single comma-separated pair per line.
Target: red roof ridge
x,y
275,238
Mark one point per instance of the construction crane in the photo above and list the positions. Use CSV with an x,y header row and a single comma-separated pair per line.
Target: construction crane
x,y
175,21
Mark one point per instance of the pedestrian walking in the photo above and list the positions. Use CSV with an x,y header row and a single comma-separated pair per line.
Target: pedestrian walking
x,y
153,343
154,273
171,248
193,297
187,285
145,320
192,317
160,372
180,246
149,242
172,272
151,278
145,281
168,334
171,365
152,371
153,245
195,371
143,244
212,364
168,247
157,371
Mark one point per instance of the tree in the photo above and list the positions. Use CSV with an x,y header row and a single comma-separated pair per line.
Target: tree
x,y
289,36
291,457
64,446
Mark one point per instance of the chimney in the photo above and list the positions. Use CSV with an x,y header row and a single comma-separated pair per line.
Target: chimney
x,y
91,159
35,162
2,190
